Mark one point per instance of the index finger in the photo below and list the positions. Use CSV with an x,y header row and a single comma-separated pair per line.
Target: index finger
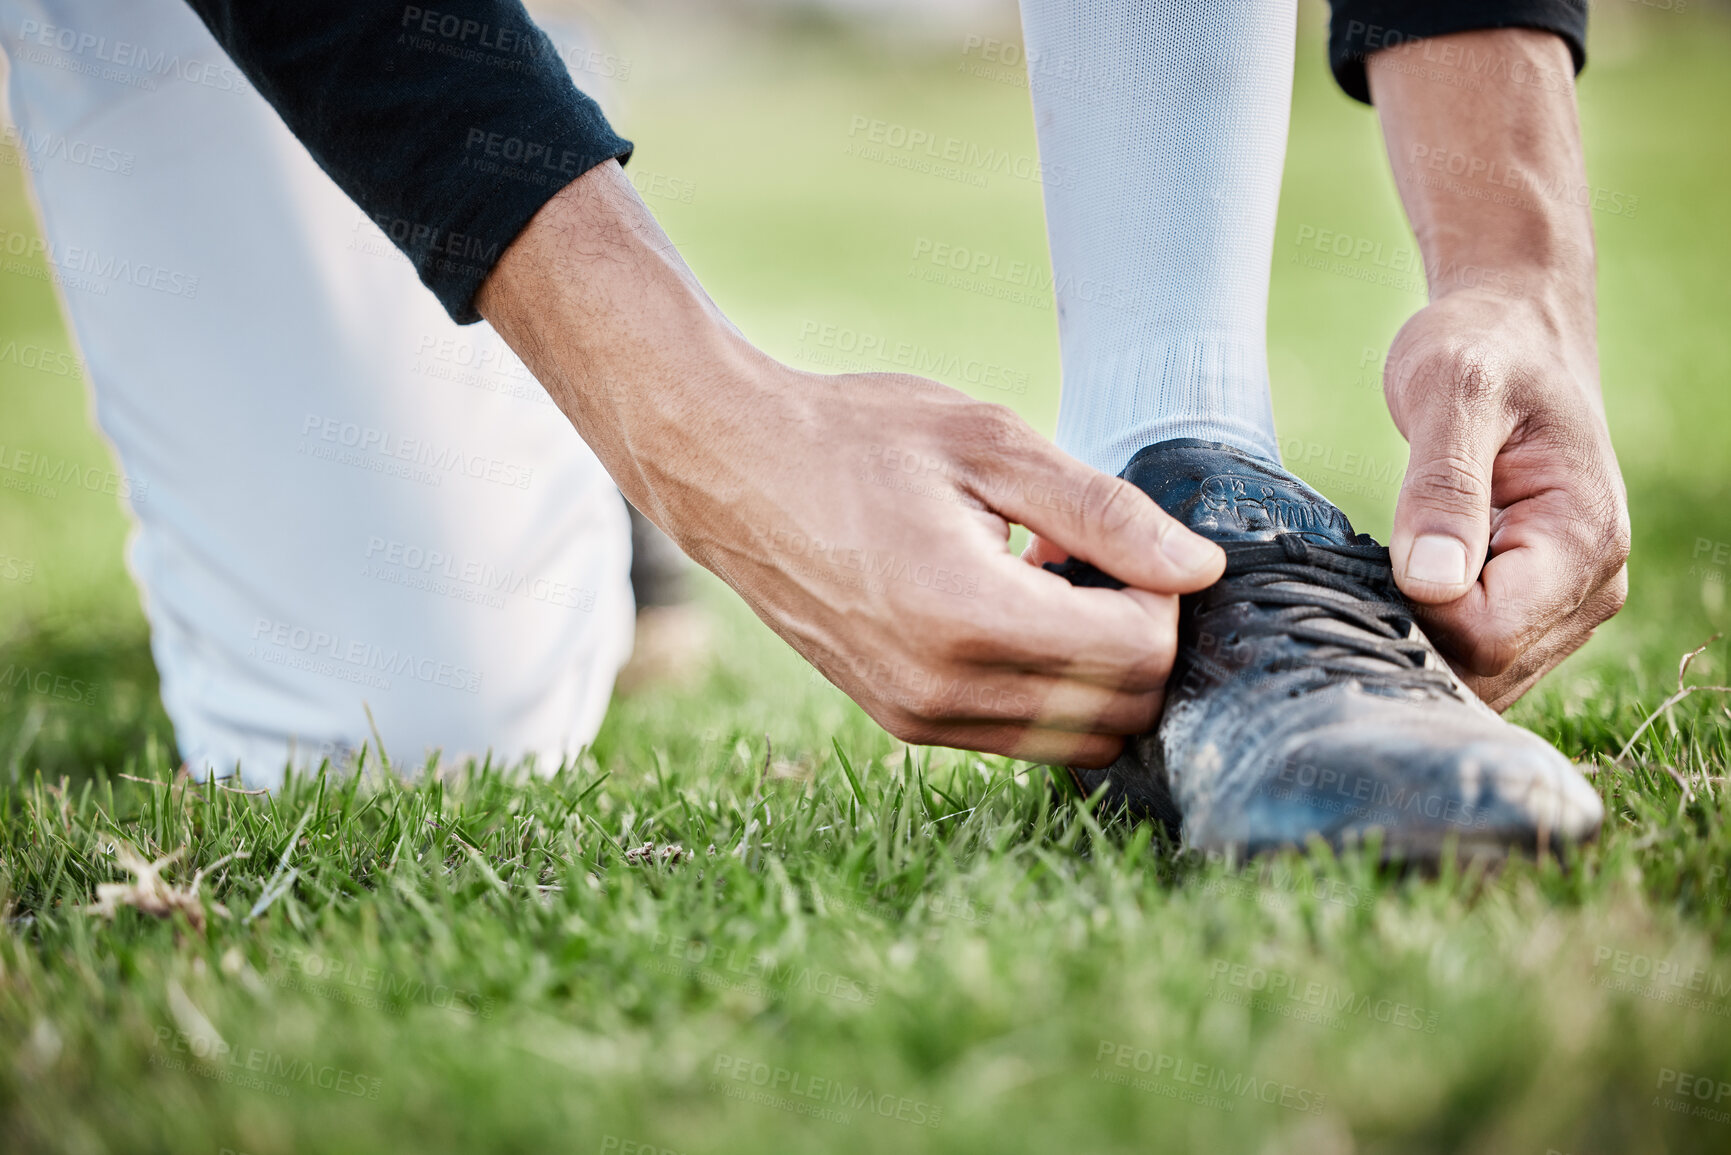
x,y
1120,639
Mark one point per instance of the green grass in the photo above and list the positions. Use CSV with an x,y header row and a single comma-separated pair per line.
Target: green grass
x,y
467,959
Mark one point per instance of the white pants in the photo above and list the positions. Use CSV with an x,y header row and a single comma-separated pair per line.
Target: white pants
x,y
342,500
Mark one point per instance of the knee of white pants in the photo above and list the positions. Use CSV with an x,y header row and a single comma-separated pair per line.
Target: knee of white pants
x,y
344,503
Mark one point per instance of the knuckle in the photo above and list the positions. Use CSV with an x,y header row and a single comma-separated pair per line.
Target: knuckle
x,y
927,704
1600,537
1091,753
964,635
1616,595
1453,482
1160,647
1162,653
1476,379
1147,713
909,726
1618,546
989,430
1470,375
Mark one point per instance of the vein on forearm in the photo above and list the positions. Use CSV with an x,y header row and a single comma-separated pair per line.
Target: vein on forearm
x,y
1488,167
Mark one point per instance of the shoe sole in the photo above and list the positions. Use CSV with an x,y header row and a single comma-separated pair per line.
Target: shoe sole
x,y
1416,847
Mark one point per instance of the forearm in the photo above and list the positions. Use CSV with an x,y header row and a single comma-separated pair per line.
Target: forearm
x,y
1511,528
596,300
1485,144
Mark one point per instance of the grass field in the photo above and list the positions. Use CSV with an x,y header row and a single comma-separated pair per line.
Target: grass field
x,y
859,946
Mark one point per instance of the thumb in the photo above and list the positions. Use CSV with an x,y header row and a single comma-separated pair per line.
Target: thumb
x,y
1077,510
1442,523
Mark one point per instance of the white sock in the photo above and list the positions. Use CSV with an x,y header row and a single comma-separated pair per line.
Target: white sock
x,y
1162,131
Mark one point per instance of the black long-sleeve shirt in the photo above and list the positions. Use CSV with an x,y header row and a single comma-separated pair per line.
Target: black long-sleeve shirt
x,y
1359,28
451,123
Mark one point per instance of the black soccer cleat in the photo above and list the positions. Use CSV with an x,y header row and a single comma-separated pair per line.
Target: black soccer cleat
x,y
1305,701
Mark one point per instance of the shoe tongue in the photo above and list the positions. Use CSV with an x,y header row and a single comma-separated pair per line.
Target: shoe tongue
x,y
1225,494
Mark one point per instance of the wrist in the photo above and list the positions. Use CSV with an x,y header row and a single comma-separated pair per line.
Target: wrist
x,y
1554,306
1531,250
597,301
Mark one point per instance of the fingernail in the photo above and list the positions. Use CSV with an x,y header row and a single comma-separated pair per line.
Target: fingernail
x,y
1437,560
1188,551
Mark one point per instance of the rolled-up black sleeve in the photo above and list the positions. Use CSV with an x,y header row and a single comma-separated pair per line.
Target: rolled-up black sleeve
x,y
449,124
1358,28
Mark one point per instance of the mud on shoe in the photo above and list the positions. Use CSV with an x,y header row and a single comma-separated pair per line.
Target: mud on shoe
x,y
1305,701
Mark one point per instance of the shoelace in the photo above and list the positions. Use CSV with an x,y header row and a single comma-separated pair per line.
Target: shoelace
x,y
1263,574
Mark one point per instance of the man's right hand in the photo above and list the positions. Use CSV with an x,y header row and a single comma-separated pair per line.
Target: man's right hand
x,y
864,517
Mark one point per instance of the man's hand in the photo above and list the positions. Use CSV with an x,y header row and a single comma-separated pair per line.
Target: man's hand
x,y
1495,384
1509,452
864,517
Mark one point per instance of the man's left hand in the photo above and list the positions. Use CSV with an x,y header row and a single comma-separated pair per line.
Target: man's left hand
x,y
1495,384
1510,456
